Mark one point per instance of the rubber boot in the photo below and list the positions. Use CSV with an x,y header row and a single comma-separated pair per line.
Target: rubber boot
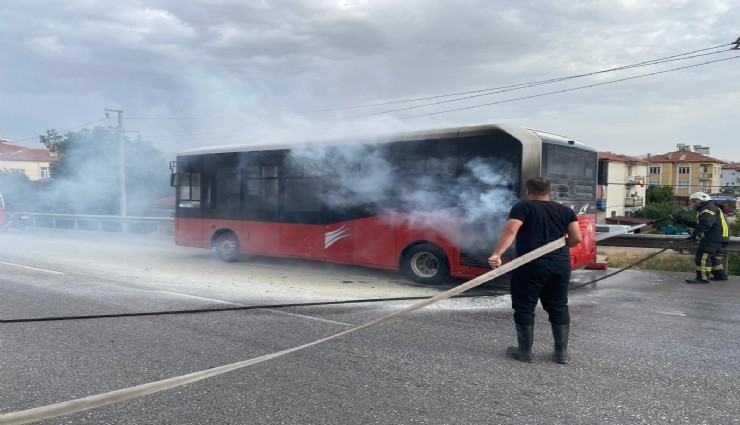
x,y
560,334
524,337
699,279
718,275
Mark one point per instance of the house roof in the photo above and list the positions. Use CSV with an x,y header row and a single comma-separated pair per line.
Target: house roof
x,y
683,156
10,152
732,166
618,157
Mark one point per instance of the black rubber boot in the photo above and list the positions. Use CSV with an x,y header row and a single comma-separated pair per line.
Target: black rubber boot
x,y
560,334
524,338
698,279
718,275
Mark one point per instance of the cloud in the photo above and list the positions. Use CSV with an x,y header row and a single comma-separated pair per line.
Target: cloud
x,y
241,67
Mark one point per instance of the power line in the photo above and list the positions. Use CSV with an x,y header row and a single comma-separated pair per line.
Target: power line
x,y
63,131
480,92
524,86
556,92
533,83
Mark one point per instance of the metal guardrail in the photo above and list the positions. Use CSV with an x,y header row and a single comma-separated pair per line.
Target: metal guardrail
x,y
105,223
135,224
651,240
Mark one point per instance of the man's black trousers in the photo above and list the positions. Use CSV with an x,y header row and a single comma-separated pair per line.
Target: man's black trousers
x,y
543,280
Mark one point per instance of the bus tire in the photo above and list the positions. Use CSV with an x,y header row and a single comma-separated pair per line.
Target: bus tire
x,y
426,264
227,247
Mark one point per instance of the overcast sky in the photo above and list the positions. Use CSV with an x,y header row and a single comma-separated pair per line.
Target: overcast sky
x,y
213,72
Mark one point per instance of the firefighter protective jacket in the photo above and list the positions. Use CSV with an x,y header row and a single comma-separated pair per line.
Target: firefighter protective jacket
x,y
711,225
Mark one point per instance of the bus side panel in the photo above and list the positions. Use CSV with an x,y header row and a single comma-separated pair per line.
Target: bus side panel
x,y
585,252
302,240
260,237
374,242
339,241
189,232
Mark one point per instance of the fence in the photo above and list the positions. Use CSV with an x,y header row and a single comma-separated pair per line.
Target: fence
x,y
106,223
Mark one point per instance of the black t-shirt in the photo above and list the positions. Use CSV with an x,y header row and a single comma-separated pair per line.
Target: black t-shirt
x,y
544,222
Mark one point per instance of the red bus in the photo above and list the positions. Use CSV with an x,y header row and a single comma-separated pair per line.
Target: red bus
x,y
429,204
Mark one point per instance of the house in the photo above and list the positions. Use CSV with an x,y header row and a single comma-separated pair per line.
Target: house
x,y
33,163
686,171
621,189
730,177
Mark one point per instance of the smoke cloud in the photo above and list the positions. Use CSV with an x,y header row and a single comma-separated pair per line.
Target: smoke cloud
x,y
475,194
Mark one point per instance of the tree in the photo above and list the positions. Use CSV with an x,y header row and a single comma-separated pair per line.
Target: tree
x,y
659,194
57,144
85,179
18,192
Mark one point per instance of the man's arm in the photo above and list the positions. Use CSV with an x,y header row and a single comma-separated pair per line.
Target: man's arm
x,y
573,236
508,233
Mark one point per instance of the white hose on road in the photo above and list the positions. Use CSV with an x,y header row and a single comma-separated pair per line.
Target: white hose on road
x,y
99,400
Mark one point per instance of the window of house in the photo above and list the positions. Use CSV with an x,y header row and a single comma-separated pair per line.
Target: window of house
x,y
44,173
683,184
684,169
653,182
654,169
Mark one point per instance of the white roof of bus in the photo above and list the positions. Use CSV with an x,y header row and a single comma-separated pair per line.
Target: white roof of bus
x,y
446,132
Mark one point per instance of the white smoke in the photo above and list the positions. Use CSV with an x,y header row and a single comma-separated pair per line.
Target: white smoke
x,y
477,199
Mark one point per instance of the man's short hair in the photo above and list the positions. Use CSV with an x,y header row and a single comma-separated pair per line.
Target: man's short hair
x,y
538,185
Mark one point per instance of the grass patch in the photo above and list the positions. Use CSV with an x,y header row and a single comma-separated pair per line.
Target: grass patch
x,y
665,261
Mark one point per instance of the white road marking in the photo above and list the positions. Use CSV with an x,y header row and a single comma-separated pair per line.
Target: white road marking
x,y
32,268
672,313
303,316
201,298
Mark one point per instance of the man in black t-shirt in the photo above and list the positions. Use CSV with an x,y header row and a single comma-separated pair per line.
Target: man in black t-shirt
x,y
535,222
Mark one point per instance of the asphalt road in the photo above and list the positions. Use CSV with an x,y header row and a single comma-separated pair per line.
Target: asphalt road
x,y
646,347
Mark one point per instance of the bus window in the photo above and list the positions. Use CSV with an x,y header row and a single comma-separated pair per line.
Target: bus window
x,y
228,189
189,189
570,183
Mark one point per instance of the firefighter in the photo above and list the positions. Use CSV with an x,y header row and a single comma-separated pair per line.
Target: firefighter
x,y
712,234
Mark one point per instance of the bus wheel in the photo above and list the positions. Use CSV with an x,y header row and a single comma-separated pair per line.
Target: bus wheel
x,y
227,247
426,264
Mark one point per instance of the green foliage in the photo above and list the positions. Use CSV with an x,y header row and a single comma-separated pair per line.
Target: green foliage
x,y
86,178
658,194
17,190
733,267
57,144
661,210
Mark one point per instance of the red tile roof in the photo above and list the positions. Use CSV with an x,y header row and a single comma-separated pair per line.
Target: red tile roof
x,y
10,152
618,157
683,156
732,166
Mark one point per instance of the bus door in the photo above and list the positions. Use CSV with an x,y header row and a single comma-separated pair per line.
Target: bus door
x,y
189,207
302,217
223,198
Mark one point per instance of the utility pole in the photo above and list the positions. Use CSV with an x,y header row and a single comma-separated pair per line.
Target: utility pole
x,y
121,163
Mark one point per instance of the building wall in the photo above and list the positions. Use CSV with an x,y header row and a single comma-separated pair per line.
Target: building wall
x,y
688,177
32,169
624,194
730,178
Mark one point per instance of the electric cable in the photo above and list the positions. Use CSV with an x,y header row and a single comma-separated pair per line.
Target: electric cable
x,y
492,293
548,93
62,131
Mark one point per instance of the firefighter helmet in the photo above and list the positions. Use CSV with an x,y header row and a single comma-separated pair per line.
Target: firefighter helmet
x,y
699,197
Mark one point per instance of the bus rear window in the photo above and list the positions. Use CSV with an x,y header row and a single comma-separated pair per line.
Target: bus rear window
x,y
568,163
